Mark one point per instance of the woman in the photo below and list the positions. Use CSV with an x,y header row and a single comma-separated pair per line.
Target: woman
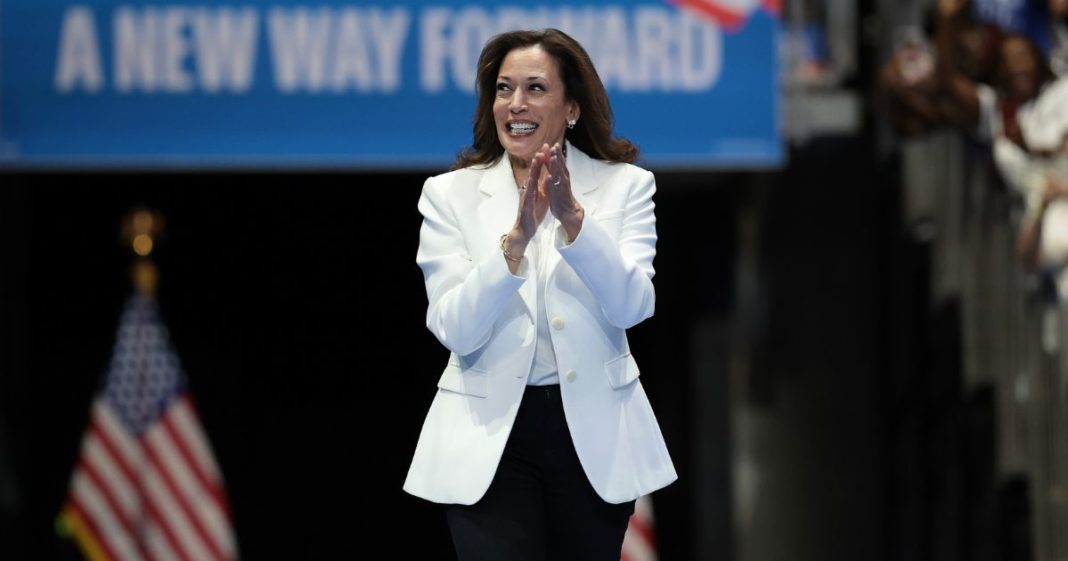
x,y
537,254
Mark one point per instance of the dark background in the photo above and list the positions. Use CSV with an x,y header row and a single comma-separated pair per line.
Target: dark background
x,y
297,310
797,328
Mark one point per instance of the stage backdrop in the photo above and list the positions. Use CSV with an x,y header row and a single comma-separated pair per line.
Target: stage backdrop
x,y
104,84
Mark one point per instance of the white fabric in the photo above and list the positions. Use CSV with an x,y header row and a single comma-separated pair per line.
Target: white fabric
x,y
596,287
543,371
1044,120
1043,124
1058,57
989,116
1013,163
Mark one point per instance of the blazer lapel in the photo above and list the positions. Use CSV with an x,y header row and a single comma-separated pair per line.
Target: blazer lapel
x,y
497,212
500,202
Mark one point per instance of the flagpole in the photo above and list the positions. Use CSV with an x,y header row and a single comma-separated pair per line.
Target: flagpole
x,y
141,229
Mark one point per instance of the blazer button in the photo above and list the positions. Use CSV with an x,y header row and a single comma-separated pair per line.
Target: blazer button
x,y
558,323
571,376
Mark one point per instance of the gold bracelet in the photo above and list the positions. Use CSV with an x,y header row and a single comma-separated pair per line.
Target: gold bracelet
x,y
507,255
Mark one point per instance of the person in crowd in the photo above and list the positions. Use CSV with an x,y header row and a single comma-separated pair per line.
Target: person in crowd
x,y
912,96
1043,237
537,254
1026,119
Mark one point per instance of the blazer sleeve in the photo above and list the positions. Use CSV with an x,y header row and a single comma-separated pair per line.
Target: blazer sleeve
x,y
620,274
465,298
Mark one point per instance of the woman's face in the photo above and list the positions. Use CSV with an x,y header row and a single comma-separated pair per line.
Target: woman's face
x,y
1021,68
531,107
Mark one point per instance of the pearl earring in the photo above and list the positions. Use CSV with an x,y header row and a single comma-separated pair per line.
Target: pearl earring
x,y
571,123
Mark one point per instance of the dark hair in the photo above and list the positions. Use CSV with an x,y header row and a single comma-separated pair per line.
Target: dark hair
x,y
1045,73
593,132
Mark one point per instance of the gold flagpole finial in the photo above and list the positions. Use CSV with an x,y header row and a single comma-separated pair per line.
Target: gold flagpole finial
x,y
141,230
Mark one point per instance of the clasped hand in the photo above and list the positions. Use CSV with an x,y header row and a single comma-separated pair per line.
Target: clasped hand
x,y
547,186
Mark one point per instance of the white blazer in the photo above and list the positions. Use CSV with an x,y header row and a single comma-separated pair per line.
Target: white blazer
x,y
598,286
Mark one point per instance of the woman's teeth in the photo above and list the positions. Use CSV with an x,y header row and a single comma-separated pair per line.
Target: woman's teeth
x,y
521,128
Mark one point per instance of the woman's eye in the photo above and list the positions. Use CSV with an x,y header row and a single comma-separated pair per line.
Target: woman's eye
x,y
502,87
537,87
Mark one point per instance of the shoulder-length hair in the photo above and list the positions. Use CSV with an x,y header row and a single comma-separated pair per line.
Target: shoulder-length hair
x,y
593,132
1044,73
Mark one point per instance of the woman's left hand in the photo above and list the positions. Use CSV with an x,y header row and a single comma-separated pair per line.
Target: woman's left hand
x,y
562,202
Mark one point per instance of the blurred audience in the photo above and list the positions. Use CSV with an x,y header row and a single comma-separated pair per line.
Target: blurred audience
x,y
996,75
1058,11
914,98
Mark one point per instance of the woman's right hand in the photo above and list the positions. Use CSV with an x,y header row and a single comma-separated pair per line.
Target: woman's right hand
x,y
532,206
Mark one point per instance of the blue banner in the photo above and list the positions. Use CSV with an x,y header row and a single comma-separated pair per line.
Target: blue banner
x,y
103,84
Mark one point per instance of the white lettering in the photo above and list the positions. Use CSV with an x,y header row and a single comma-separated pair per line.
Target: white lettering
x,y
175,50
225,46
299,47
613,52
511,19
178,49
654,65
78,55
389,31
649,48
700,54
472,28
351,60
580,23
134,53
351,49
433,50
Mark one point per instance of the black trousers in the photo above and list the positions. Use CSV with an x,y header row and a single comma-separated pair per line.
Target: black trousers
x,y
540,505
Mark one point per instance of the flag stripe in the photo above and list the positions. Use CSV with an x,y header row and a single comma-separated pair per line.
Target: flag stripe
x,y
194,448
85,469
639,543
184,419
641,530
107,441
199,503
725,17
634,549
156,543
106,489
126,448
154,508
112,477
175,510
95,510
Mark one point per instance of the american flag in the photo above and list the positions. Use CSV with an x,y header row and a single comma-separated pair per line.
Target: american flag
x,y
731,14
146,486
639,543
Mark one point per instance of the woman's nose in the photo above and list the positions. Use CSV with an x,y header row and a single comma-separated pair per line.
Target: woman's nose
x,y
518,102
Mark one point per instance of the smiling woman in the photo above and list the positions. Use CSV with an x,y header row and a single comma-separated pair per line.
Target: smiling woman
x,y
540,436
531,107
